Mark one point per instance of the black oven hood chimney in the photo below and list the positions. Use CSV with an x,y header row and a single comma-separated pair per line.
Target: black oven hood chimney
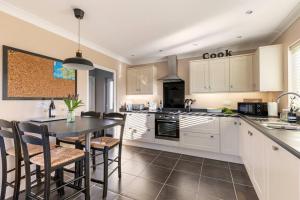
x,y
172,70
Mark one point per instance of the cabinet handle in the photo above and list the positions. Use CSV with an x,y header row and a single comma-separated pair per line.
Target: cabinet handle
x,y
275,148
211,136
209,87
204,87
250,133
235,123
148,115
240,123
148,129
231,86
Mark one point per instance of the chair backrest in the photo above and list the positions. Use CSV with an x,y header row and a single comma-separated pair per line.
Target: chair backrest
x,y
117,116
91,114
8,130
43,140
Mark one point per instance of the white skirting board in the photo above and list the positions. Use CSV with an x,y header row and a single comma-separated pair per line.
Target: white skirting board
x,y
181,150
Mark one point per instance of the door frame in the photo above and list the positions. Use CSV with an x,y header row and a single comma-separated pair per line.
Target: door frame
x,y
115,84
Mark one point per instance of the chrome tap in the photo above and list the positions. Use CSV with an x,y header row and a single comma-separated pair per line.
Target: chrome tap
x,y
286,93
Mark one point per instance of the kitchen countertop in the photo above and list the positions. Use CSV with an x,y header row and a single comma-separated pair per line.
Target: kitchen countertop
x,y
287,139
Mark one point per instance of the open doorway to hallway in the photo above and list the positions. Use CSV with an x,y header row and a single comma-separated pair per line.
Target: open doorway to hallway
x,y
101,91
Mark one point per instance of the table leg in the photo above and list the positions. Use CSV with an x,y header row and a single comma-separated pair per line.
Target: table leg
x,y
87,165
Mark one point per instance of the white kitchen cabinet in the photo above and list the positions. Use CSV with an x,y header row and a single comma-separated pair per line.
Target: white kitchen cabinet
x,y
268,68
140,80
219,75
200,141
241,70
199,124
246,146
258,163
282,173
200,132
140,127
199,76
229,135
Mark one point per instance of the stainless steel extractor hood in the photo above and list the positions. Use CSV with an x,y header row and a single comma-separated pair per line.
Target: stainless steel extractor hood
x,y
172,70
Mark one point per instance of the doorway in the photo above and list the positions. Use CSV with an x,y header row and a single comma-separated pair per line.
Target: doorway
x,y
101,91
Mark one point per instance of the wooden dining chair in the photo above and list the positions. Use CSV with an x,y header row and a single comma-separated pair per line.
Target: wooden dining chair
x,y
8,131
50,160
104,144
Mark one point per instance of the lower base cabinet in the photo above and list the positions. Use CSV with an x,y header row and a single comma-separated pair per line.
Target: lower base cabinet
x,y
274,172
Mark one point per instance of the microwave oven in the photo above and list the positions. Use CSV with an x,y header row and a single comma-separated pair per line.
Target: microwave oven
x,y
253,108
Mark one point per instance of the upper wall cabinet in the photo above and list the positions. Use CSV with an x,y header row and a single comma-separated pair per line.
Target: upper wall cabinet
x,y
241,68
268,68
209,75
140,80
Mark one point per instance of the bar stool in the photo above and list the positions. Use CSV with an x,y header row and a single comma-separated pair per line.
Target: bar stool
x,y
8,131
104,145
50,160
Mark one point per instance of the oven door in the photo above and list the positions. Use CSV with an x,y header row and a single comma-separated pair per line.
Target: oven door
x,y
167,129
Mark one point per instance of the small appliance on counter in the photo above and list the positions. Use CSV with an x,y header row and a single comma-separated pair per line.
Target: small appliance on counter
x,y
152,106
272,109
138,107
253,108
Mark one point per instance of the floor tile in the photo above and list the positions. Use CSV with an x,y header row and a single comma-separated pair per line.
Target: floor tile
x,y
165,162
156,173
245,192
133,167
184,181
169,154
96,193
241,177
191,158
189,167
120,197
174,193
142,189
151,151
216,163
237,166
216,172
116,184
211,189
143,157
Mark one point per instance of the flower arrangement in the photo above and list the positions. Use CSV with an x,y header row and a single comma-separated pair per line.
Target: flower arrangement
x,y
72,102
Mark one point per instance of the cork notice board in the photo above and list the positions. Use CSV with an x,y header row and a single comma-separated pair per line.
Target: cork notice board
x,y
30,76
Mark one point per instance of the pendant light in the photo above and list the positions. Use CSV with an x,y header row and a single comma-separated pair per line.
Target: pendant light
x,y
78,62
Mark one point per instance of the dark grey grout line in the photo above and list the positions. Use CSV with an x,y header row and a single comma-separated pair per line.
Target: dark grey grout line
x,y
168,177
233,182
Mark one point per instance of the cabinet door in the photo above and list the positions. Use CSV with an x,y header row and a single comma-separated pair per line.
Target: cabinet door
x,y
241,73
219,75
205,142
145,80
258,163
199,76
229,133
132,82
246,146
282,173
199,124
256,78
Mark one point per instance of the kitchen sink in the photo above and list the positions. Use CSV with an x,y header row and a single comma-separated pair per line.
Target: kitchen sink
x,y
281,125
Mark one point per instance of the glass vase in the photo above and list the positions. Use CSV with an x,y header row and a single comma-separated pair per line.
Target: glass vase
x,y
71,116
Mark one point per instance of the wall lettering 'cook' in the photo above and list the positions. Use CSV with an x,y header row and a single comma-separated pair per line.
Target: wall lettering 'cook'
x,y
215,55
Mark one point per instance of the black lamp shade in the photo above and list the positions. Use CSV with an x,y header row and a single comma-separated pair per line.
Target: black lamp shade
x,y
78,63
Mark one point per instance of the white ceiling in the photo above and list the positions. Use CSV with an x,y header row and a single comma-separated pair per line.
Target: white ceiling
x,y
122,28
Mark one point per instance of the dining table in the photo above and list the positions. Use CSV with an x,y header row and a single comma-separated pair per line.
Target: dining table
x,y
81,126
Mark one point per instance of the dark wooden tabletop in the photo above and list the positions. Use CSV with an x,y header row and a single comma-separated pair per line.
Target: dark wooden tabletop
x,y
82,125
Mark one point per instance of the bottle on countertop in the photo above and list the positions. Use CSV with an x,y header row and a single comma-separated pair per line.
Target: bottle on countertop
x,y
160,105
52,112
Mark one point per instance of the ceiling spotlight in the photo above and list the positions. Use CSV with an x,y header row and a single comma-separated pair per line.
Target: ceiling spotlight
x,y
249,12
161,50
239,37
132,55
195,44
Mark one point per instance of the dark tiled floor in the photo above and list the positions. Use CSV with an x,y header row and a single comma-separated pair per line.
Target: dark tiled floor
x,y
157,175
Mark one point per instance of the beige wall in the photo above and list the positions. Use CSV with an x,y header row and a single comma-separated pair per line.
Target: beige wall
x,y
288,38
19,34
205,100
